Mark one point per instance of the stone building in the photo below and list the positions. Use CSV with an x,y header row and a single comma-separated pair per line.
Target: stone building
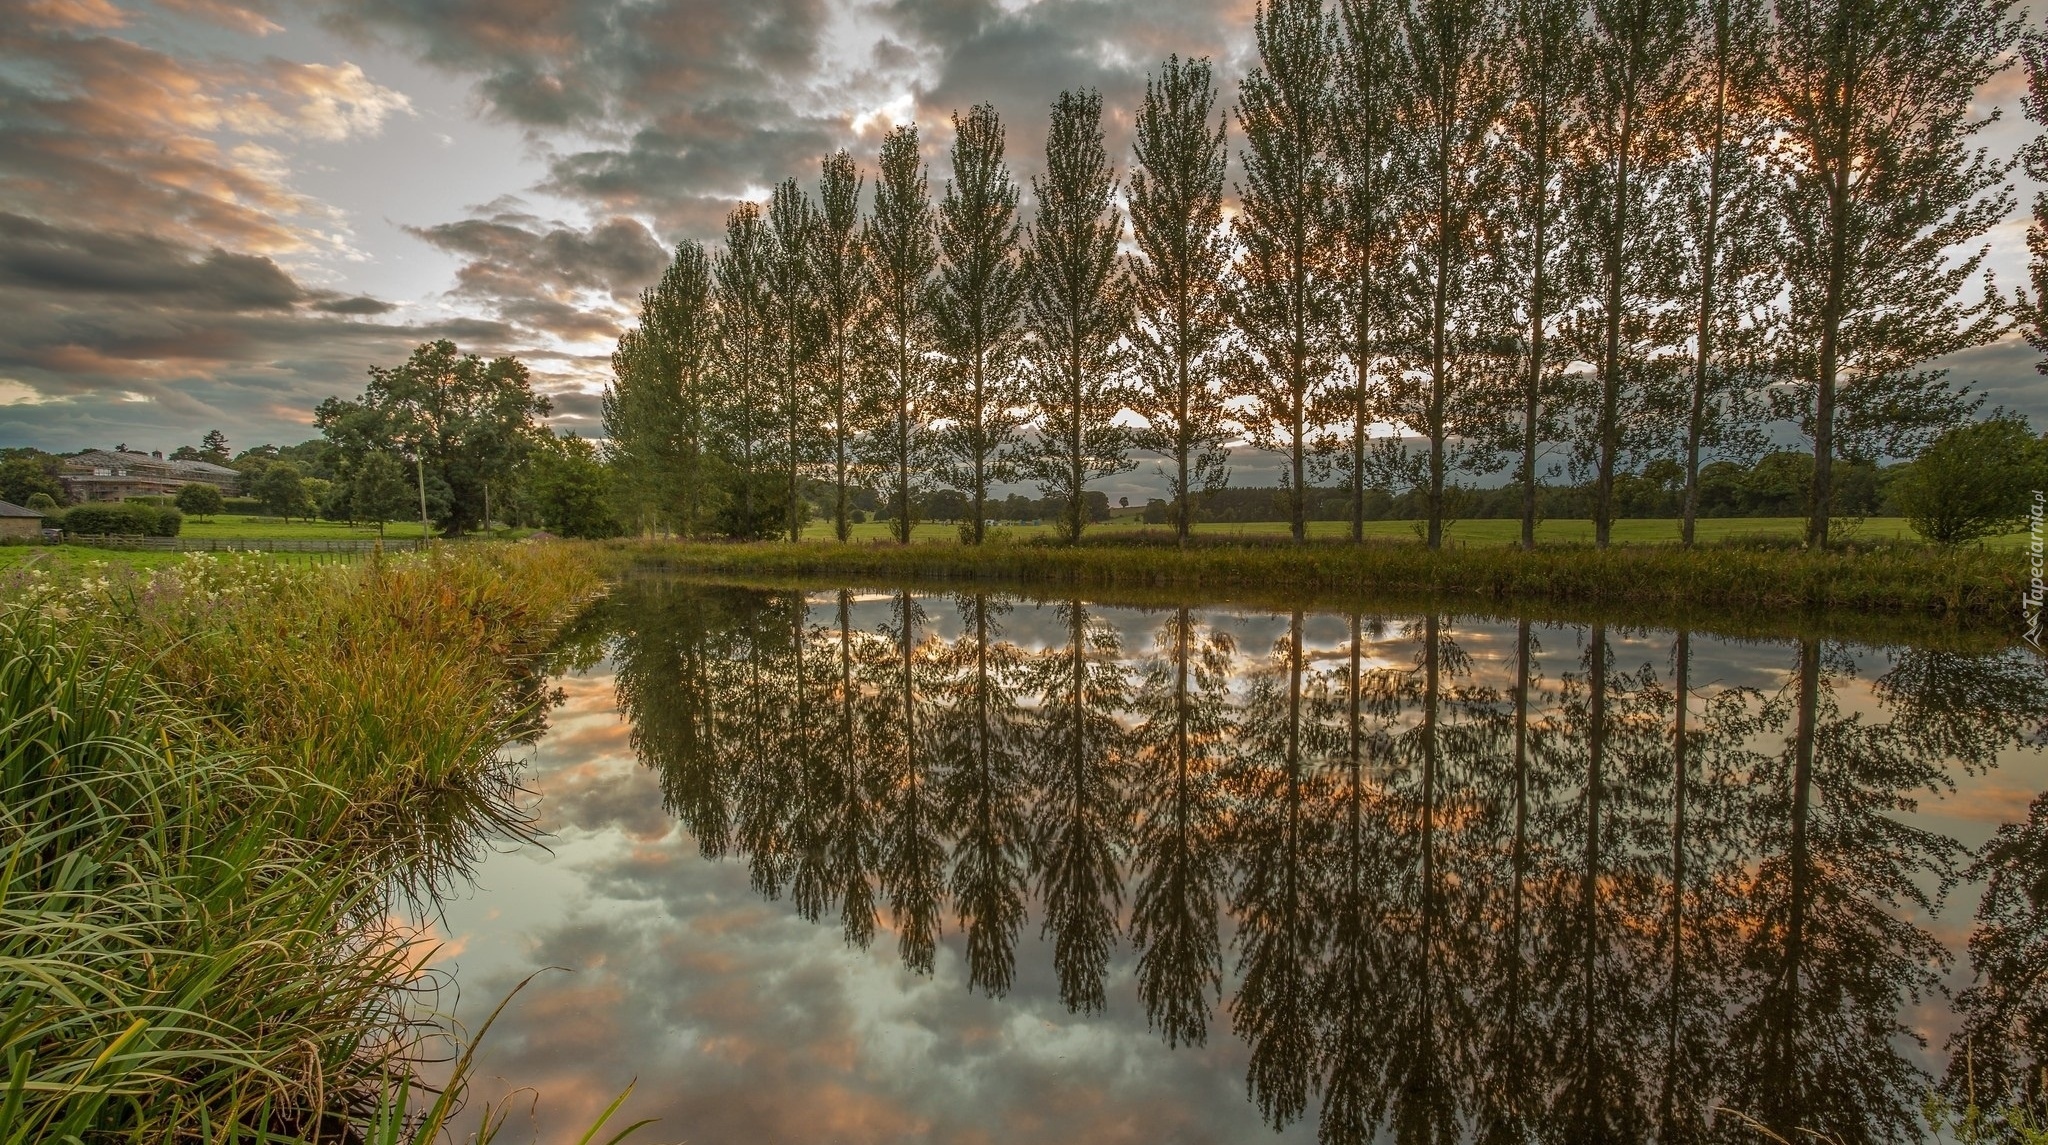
x,y
16,521
112,475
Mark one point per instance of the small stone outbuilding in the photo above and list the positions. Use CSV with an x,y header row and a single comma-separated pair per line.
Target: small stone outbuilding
x,y
16,521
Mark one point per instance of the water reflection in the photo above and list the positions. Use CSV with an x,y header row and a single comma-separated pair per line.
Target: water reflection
x,y
1443,882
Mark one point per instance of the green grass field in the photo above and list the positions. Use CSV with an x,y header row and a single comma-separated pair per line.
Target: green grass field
x,y
227,526
1483,532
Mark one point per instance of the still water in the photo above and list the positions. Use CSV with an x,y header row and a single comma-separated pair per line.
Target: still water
x,y
859,866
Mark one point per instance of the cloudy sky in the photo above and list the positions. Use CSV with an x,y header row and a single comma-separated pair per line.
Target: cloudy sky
x,y
214,213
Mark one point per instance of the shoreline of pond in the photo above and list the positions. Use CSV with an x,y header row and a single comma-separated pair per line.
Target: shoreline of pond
x,y
1886,591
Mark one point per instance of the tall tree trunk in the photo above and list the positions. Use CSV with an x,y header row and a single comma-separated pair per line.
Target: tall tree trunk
x,y
1696,413
1610,375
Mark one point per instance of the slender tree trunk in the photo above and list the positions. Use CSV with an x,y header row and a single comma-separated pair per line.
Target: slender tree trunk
x,y
978,444
1532,401
1610,375
1696,413
1831,326
1439,368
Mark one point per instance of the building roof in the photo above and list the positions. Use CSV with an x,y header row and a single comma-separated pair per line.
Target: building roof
x,y
109,458
8,509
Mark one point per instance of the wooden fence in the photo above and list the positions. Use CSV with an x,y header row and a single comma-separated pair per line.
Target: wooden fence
x,y
243,544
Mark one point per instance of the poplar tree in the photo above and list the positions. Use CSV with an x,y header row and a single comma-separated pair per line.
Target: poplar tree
x,y
1077,311
1543,127
1452,51
1730,253
979,312
2034,160
793,333
1876,183
844,296
1176,277
1635,52
1283,290
657,410
744,414
902,256
1369,141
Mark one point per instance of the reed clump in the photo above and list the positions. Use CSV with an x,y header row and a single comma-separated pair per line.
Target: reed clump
x,y
218,781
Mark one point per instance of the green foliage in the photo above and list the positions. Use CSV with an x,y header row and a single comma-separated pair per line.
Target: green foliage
x,y
23,477
200,499
122,520
1975,481
41,503
1077,311
903,252
658,409
378,490
215,792
1283,286
570,490
281,489
470,422
979,311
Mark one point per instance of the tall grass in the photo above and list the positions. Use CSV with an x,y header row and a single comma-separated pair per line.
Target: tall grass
x,y
216,783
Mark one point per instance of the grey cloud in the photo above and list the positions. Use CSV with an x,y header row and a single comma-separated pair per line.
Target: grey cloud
x,y
540,275
38,256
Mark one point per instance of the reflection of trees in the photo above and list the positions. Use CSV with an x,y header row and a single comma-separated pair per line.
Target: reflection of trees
x,y
1179,751
1832,953
676,651
1999,1057
1364,706
852,837
1280,929
982,789
1077,827
1603,894
1974,707
1516,778
913,852
1468,899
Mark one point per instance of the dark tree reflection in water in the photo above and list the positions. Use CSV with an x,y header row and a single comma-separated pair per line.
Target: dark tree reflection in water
x,y
1447,879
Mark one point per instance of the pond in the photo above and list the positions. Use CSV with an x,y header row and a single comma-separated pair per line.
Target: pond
x,y
865,866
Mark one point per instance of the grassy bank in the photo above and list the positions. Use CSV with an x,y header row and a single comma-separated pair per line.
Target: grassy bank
x,y
1126,525
1969,587
218,781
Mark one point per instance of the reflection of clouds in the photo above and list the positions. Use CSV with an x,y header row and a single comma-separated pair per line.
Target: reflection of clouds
x,y
745,1023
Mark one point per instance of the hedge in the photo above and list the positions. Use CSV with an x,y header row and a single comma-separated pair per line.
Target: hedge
x,y
127,520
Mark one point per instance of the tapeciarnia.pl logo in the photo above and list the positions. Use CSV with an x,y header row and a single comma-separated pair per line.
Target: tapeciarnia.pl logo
x,y
2030,601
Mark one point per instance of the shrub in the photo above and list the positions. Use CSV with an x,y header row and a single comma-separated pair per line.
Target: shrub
x,y
124,520
1975,481
42,503
200,500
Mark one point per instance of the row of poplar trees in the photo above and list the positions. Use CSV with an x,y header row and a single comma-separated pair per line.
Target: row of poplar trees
x,y
1540,235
